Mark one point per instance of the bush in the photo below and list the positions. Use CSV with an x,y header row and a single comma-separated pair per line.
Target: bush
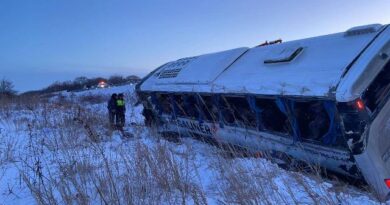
x,y
6,89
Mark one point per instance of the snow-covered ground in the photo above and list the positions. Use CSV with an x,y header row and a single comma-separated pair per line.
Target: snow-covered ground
x,y
61,151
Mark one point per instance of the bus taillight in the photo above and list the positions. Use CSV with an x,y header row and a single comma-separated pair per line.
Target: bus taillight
x,y
387,182
360,104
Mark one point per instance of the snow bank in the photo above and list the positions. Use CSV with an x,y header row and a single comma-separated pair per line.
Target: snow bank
x,y
66,149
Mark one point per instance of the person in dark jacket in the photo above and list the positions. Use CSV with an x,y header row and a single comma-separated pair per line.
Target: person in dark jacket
x,y
112,109
121,109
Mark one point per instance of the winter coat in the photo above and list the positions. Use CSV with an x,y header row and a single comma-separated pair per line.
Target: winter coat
x,y
111,105
120,105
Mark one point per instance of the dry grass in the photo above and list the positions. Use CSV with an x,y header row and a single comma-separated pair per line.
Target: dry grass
x,y
70,158
68,162
93,99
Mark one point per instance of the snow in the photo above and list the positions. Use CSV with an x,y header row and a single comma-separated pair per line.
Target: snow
x,y
46,147
102,91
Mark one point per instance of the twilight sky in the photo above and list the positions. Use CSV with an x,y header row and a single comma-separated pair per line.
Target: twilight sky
x,y
42,41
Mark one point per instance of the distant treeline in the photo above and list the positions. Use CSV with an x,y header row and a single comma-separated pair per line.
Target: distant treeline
x,y
82,83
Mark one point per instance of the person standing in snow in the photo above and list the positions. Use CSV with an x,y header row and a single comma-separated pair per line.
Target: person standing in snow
x,y
112,109
121,109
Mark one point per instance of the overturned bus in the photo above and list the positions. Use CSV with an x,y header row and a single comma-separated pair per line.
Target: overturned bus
x,y
321,100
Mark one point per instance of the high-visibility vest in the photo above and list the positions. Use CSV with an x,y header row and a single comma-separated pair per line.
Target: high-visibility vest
x,y
120,103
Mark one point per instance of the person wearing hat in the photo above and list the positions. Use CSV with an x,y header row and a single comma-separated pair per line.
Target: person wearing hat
x,y
120,110
112,109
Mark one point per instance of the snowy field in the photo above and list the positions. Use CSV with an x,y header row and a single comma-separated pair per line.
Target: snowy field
x,y
61,151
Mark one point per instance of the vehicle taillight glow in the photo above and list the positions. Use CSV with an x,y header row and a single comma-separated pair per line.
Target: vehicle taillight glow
x,y
387,182
360,104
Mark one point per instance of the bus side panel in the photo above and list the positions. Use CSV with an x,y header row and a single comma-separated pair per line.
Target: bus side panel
x,y
254,141
374,162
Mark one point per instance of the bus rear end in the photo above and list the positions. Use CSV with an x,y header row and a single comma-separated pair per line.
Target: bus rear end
x,y
373,156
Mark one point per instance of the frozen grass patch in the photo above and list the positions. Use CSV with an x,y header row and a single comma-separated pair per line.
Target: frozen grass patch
x,y
61,151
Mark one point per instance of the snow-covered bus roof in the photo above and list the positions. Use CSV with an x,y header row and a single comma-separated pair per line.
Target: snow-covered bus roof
x,y
309,67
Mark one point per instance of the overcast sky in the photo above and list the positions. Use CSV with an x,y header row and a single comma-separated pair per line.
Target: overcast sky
x,y
42,41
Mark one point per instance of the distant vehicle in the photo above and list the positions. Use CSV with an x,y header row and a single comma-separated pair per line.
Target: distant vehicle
x,y
102,84
321,100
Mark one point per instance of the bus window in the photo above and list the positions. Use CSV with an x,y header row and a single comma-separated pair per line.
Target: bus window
x,y
313,121
165,104
191,107
242,113
227,111
210,111
179,103
318,123
379,89
272,118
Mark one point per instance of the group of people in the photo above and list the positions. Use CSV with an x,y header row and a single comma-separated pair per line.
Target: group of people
x,y
116,110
